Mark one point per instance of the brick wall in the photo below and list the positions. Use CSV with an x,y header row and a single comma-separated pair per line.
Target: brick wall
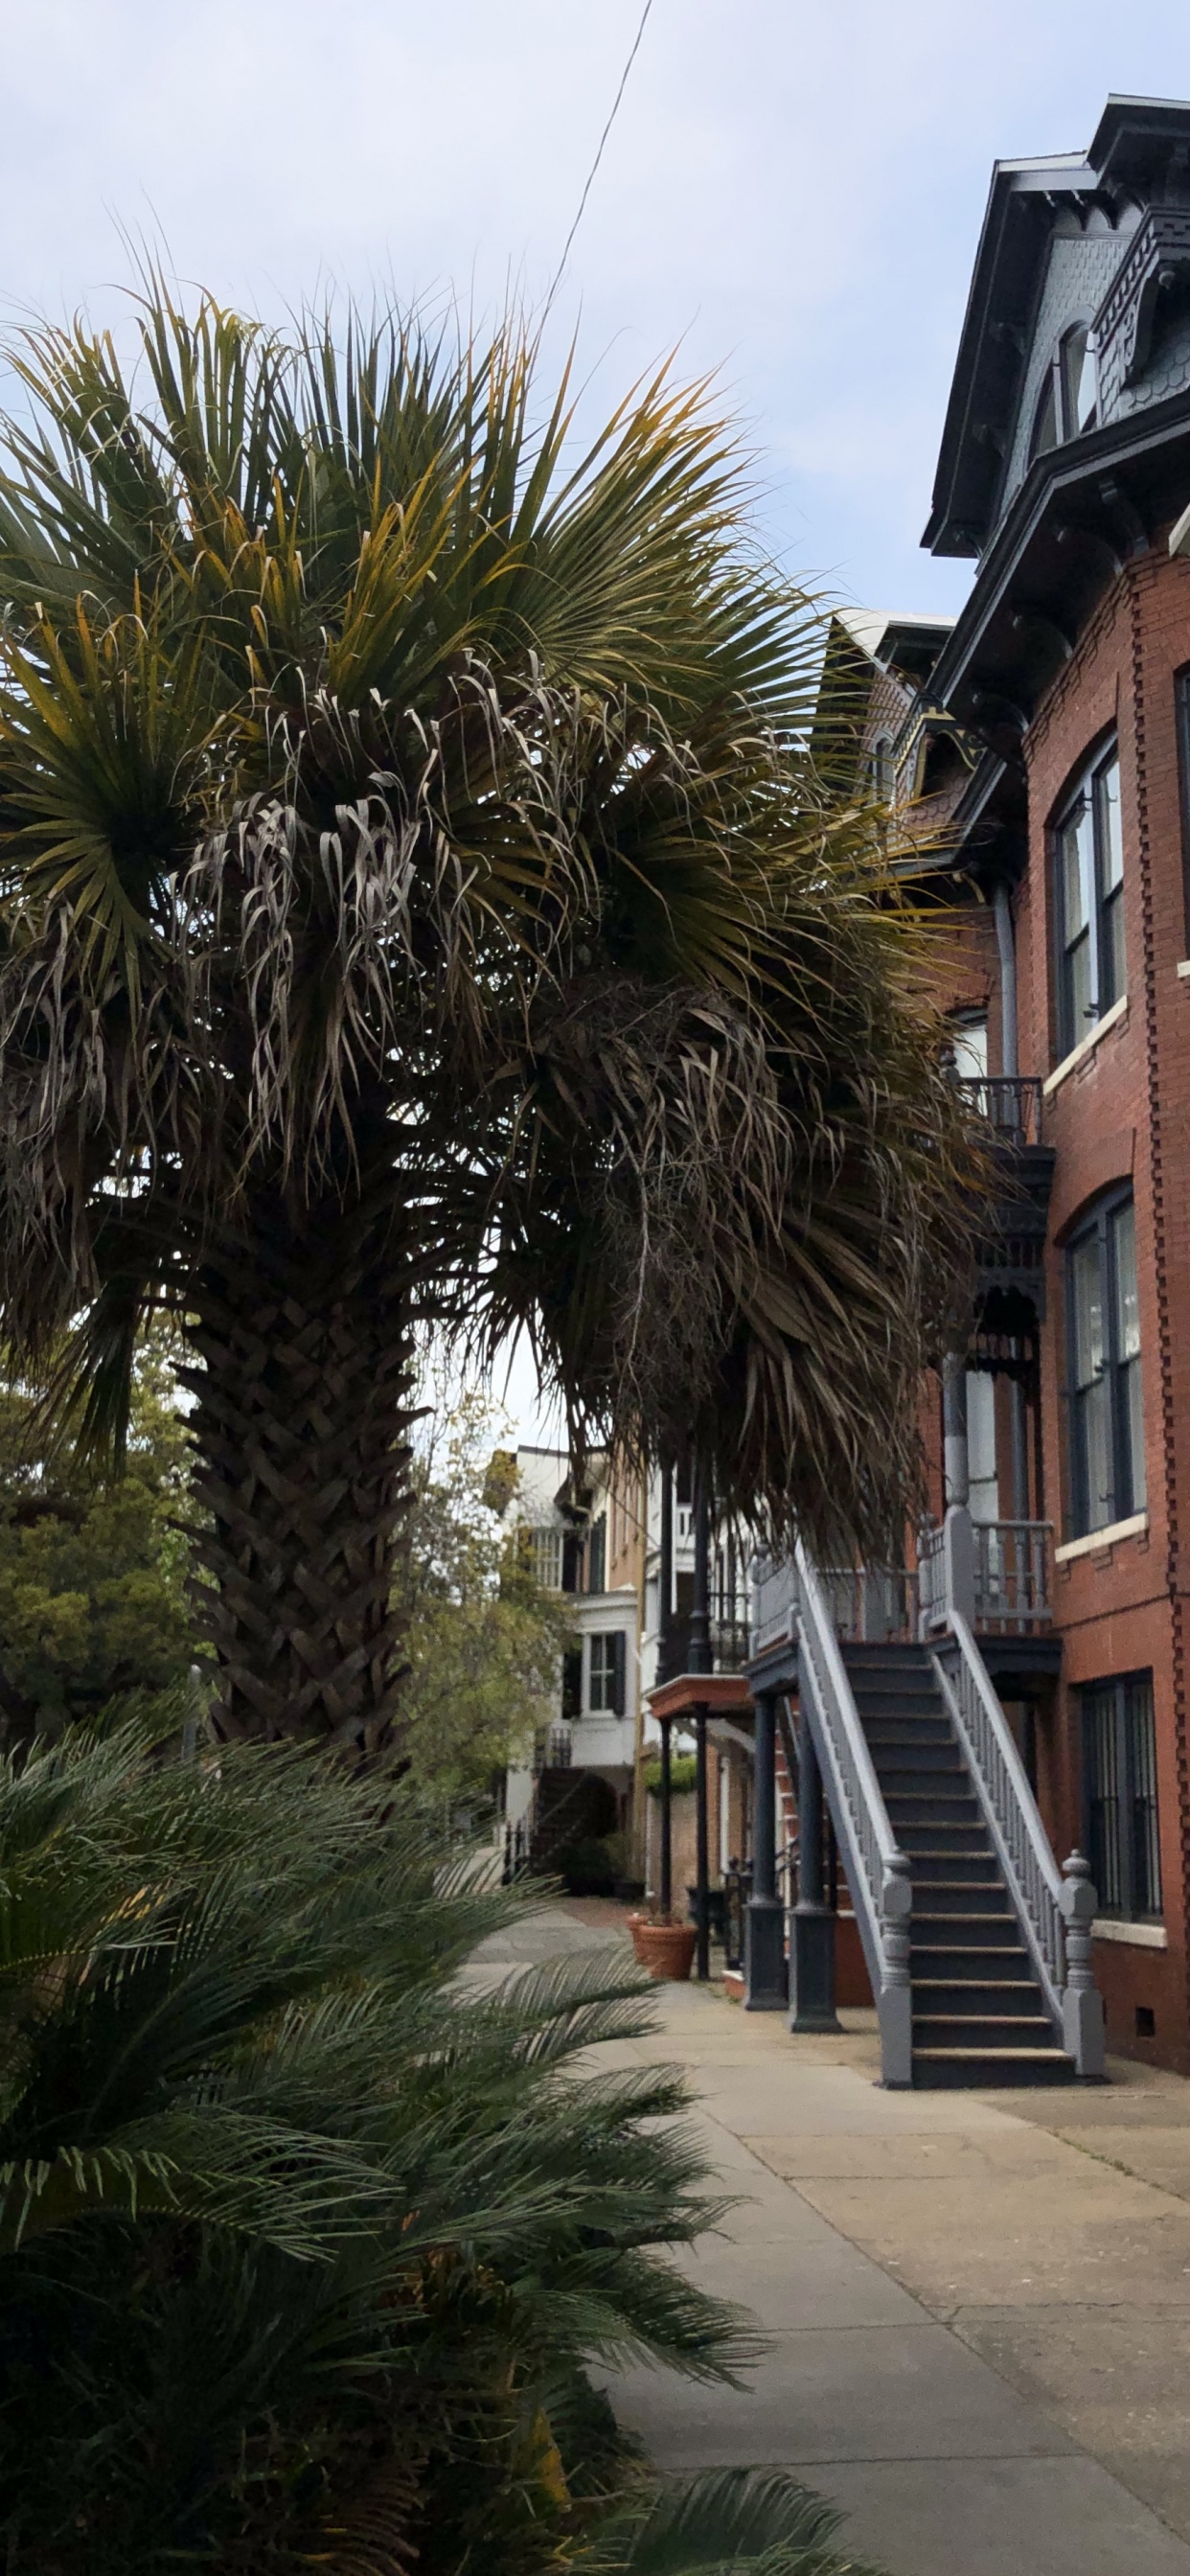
x,y
1123,1115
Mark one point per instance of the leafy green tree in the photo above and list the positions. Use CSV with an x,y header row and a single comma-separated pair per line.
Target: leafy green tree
x,y
484,1641
95,1572
418,901
306,2237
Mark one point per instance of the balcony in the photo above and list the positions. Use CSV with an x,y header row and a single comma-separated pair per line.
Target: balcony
x,y
1011,1253
729,1630
998,1573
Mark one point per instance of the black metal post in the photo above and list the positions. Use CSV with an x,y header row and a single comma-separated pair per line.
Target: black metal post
x,y
665,1577
812,1956
702,1862
765,1981
666,1889
698,1658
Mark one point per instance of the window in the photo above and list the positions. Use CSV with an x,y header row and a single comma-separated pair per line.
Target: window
x,y
1182,688
597,1555
1090,902
1107,1463
1120,1793
1069,398
983,1480
881,768
545,1557
969,1046
1079,387
607,1671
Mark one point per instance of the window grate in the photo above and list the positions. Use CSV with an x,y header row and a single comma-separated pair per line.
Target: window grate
x,y
1120,1792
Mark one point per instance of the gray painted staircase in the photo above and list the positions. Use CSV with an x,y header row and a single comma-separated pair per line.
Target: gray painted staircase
x,y
979,2015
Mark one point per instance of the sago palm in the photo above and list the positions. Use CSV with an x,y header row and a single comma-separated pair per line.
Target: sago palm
x,y
306,2236
417,902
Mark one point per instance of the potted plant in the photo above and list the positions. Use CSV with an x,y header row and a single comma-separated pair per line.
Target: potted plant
x,y
665,1946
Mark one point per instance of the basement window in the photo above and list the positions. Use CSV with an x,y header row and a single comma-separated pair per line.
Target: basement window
x,y
1120,1795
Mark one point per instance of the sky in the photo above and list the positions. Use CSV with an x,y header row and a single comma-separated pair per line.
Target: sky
x,y
790,197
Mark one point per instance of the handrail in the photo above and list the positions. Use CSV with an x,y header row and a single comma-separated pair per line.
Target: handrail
x,y
1002,1785
878,1872
1054,1907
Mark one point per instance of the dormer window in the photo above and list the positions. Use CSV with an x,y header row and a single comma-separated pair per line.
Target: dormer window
x,y
1069,397
1080,390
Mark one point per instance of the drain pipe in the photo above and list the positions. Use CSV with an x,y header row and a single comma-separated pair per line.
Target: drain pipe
x,y
1002,915
1010,1065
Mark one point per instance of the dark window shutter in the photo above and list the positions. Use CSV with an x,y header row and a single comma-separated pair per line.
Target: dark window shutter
x,y
619,1644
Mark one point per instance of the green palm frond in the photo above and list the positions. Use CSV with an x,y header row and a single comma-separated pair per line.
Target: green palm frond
x,y
728,2522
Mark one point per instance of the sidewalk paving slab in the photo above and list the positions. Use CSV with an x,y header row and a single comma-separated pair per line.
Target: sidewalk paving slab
x,y
977,2306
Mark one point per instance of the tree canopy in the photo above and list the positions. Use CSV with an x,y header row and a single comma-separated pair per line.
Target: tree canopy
x,y
418,900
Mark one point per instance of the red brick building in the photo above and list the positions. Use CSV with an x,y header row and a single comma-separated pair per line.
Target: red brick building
x,y
1050,729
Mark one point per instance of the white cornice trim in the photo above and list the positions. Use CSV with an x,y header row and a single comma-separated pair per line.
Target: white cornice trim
x,y
1086,1046
1096,1540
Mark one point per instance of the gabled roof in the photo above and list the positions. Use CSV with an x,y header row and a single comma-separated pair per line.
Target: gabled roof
x,y
1139,149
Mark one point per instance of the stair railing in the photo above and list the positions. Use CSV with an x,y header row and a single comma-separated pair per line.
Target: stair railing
x,y
1055,1907
878,1872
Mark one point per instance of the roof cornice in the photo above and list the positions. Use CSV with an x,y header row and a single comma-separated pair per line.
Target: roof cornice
x,y
1082,512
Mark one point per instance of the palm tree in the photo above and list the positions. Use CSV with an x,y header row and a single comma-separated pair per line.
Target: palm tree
x,y
418,903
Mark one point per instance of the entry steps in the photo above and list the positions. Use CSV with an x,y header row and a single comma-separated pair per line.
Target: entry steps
x,y
979,2014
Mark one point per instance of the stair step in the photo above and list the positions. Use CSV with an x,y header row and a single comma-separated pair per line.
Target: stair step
x,y
917,1806
948,1868
887,1734
944,1834
903,1763
951,1898
982,2030
960,1934
935,2069
994,1998
894,1699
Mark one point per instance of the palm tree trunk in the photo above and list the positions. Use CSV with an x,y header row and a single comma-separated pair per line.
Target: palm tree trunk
x,y
301,1425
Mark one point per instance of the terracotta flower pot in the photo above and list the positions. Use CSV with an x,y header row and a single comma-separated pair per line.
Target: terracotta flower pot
x,y
666,1949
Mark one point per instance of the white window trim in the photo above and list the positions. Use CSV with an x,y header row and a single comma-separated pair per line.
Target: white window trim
x,y
1111,1019
1137,1936
1134,1527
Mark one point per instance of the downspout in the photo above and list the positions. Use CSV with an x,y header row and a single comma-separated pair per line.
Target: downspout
x,y
1002,914
1010,1067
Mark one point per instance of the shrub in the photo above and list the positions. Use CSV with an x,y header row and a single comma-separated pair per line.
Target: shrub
x,y
306,2233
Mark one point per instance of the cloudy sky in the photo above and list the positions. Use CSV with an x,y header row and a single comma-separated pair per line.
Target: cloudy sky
x,y
791,193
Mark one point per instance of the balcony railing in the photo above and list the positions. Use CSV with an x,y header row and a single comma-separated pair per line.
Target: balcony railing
x,y
1009,1592
1010,1102
997,1573
730,1636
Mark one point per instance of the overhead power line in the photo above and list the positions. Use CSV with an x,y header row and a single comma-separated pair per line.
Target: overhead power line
x,y
590,181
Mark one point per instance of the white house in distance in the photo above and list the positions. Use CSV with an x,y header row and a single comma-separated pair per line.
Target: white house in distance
x,y
591,1734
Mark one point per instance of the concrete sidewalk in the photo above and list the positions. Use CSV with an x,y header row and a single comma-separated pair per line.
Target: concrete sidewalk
x,y
979,2305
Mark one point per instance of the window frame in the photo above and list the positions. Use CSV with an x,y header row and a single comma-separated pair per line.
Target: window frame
x,y
1055,390
1107,896
1121,1503
1119,1691
1181,682
612,1672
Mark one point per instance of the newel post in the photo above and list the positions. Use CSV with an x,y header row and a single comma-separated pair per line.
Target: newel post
x,y
895,2000
1082,2003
